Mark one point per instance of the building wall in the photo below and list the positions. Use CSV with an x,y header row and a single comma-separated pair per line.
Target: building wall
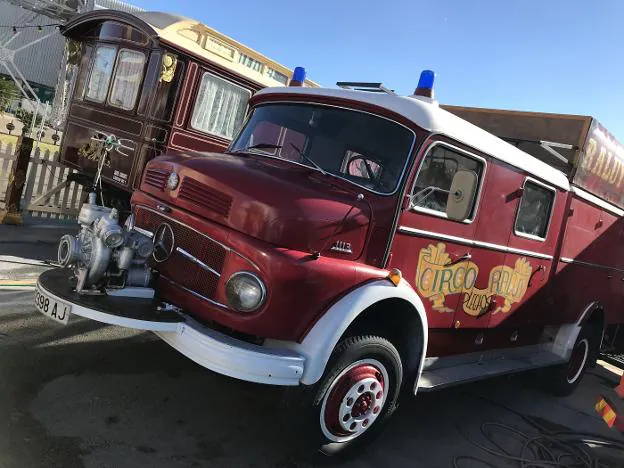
x,y
40,62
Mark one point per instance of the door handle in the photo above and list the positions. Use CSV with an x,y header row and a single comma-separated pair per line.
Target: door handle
x,y
463,258
541,268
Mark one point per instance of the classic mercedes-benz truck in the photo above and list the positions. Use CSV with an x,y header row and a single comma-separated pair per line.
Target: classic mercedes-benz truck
x,y
354,245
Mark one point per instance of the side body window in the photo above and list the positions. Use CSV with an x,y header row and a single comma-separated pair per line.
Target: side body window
x,y
432,186
220,106
534,211
101,73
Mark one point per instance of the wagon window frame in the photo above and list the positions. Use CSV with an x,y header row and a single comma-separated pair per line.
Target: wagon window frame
x,y
87,85
196,104
113,80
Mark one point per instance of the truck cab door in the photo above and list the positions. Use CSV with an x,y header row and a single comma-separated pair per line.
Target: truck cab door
x,y
431,249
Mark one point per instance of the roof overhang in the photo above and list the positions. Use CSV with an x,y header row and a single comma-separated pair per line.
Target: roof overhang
x,y
73,28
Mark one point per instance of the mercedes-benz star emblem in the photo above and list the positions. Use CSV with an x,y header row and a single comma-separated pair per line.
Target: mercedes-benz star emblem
x,y
172,181
164,243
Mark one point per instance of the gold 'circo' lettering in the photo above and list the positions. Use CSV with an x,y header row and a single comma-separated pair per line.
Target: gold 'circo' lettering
x,y
437,277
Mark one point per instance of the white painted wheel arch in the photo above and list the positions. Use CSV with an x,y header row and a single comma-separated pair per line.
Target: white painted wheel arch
x,y
323,337
568,333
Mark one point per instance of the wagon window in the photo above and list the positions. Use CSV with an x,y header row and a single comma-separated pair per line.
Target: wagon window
x,y
219,107
101,73
534,211
433,183
127,80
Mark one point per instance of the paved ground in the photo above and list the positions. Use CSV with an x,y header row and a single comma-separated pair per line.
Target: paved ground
x,y
89,395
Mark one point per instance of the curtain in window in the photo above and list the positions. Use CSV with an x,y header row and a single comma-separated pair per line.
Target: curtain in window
x,y
220,107
100,74
127,81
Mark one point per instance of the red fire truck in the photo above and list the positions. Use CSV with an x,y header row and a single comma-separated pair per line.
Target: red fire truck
x,y
353,245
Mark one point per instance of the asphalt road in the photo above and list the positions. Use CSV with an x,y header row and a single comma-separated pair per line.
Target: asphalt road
x,y
89,395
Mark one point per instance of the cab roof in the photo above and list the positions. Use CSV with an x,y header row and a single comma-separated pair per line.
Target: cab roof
x,y
427,114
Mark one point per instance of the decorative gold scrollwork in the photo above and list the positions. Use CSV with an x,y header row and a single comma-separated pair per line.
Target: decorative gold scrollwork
x,y
74,52
169,63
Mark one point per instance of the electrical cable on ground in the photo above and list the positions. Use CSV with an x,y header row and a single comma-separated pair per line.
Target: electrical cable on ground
x,y
545,449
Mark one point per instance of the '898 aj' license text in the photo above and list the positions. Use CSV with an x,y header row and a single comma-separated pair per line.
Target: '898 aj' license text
x,y
52,308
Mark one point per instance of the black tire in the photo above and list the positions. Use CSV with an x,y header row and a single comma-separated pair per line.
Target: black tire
x,y
308,410
562,380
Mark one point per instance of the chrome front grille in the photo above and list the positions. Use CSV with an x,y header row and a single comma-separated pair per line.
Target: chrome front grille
x,y
196,261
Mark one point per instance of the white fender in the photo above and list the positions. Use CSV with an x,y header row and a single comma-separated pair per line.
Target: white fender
x,y
321,340
569,332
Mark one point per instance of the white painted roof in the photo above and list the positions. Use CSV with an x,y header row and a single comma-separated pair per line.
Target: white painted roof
x,y
431,117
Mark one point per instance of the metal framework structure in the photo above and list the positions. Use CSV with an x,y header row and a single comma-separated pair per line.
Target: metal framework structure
x,y
54,9
57,11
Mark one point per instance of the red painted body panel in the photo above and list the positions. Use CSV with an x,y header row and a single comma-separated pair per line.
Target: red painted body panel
x,y
595,237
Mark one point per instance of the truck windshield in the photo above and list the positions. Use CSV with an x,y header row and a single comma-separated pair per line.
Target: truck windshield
x,y
364,149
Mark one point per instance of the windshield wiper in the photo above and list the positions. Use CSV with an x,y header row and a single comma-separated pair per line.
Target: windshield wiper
x,y
307,158
257,146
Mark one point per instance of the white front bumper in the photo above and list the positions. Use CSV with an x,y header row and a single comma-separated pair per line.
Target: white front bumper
x,y
209,348
235,358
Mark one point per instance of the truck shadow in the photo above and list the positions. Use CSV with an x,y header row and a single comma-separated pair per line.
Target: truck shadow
x,y
130,400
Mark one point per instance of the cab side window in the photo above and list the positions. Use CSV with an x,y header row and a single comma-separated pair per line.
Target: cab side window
x,y
534,211
435,176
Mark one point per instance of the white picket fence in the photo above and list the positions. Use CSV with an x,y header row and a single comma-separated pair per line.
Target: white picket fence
x,y
46,194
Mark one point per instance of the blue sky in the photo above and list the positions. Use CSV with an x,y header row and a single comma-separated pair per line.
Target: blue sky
x,y
549,55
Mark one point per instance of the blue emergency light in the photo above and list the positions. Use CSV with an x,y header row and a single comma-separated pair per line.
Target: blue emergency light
x,y
298,77
425,84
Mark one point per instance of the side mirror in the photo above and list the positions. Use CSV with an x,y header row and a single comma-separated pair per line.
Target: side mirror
x,y
461,195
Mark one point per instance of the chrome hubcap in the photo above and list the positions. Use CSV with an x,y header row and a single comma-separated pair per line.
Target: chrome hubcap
x,y
354,400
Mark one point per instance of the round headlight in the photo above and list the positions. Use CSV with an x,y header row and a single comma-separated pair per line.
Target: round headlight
x,y
245,292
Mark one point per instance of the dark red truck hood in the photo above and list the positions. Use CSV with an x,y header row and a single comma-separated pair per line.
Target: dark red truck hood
x,y
276,201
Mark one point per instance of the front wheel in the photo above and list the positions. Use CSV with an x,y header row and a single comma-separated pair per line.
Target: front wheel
x,y
346,409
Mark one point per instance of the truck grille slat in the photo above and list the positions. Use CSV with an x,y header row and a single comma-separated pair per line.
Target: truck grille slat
x,y
156,178
205,196
177,267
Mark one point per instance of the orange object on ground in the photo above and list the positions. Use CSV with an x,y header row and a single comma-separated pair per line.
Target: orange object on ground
x,y
607,412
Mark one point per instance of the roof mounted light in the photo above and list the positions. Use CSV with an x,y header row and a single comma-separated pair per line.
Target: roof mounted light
x,y
298,77
425,84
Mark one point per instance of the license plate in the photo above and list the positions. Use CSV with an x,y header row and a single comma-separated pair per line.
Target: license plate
x,y
52,308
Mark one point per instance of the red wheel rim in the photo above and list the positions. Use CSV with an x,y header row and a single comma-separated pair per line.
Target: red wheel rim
x,y
354,400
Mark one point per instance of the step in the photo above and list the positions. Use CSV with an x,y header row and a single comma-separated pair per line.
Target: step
x,y
438,375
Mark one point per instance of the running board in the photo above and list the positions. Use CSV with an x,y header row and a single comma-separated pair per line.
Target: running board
x,y
445,372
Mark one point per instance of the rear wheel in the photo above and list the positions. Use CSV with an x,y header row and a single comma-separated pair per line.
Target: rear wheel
x,y
562,380
347,408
